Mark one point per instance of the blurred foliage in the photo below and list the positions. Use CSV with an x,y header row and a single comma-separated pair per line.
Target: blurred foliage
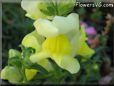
x,y
16,26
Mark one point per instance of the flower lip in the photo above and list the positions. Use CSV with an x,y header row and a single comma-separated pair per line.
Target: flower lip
x,y
45,28
58,26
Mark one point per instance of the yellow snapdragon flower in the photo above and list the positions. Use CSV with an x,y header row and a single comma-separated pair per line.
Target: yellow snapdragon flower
x,y
64,40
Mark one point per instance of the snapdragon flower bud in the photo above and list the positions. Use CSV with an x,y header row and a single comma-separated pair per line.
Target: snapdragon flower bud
x,y
47,8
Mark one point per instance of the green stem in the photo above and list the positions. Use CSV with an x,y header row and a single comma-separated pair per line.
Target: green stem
x,y
24,76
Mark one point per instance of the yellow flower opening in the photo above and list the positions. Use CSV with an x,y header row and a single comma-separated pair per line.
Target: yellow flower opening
x,y
59,45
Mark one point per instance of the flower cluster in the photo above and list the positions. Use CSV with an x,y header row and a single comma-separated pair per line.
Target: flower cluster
x,y
57,37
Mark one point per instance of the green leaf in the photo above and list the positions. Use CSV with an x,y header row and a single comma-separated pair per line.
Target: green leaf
x,y
51,10
16,62
26,53
46,12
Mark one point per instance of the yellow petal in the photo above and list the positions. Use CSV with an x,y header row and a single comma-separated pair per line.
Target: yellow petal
x,y
60,45
12,74
33,40
38,56
83,36
70,64
14,53
30,73
46,64
3,74
85,50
